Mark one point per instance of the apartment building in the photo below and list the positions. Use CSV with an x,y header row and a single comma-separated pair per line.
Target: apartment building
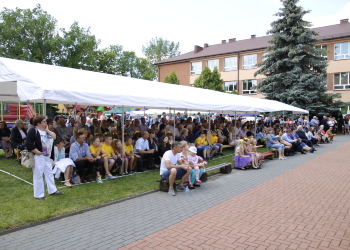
x,y
236,61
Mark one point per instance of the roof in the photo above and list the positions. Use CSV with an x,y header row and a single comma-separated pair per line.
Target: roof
x,y
324,33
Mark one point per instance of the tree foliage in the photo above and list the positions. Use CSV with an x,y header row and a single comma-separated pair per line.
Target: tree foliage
x,y
114,60
159,49
293,67
209,80
78,48
33,35
172,78
28,35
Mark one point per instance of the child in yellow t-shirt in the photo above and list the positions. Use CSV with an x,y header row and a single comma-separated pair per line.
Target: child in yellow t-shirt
x,y
214,143
202,145
107,148
100,158
129,152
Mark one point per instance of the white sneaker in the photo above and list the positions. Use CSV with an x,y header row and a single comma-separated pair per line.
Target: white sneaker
x,y
109,177
171,192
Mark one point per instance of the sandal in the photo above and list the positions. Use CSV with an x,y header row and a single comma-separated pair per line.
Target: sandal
x,y
42,198
67,184
57,192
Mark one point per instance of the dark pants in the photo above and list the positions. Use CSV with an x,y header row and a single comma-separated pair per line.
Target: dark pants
x,y
145,160
292,149
98,165
309,143
84,167
314,141
156,157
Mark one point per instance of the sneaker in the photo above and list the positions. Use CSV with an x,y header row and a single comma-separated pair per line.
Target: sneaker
x,y
180,188
198,181
171,192
98,179
109,177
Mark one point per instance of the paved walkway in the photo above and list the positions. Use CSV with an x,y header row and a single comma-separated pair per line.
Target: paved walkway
x,y
300,203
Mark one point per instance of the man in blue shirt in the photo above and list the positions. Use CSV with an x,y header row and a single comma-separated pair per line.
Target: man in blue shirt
x,y
297,140
142,149
287,136
80,154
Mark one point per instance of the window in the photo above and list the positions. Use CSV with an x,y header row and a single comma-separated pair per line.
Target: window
x,y
230,86
249,87
324,50
212,64
230,64
196,68
249,61
342,81
342,51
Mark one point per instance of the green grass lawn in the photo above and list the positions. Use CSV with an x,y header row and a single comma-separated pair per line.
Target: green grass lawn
x,y
18,207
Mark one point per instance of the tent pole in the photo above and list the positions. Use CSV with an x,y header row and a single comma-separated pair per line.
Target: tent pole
x,y
2,111
235,133
235,123
26,117
19,111
44,107
174,124
123,150
255,124
208,135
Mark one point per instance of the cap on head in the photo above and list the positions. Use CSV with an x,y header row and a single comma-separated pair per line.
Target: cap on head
x,y
193,149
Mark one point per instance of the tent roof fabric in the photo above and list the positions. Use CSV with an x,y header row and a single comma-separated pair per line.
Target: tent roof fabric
x,y
35,82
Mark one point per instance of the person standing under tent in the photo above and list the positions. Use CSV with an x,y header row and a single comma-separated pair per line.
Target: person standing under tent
x,y
40,143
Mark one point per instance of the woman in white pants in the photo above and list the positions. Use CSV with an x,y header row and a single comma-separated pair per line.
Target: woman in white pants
x,y
40,143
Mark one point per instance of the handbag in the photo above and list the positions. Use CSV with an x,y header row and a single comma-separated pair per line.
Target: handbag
x,y
27,159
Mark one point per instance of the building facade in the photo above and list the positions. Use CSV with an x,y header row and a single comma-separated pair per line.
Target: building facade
x,y
236,61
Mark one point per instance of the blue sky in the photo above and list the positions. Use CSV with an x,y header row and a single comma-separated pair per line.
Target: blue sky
x,y
190,22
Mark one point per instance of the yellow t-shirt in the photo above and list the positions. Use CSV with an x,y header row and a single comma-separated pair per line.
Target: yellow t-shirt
x,y
108,149
93,149
128,149
201,140
213,139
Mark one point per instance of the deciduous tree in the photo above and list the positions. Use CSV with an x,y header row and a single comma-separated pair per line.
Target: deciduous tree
x,y
209,80
78,48
29,35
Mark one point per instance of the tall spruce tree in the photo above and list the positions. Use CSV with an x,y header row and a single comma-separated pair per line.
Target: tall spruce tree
x,y
294,68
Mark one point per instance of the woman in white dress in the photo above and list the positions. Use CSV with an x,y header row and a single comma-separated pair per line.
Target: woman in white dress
x,y
62,164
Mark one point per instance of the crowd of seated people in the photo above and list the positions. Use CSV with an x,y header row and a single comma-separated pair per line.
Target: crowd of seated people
x,y
95,149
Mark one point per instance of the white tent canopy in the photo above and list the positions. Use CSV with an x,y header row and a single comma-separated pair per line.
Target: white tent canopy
x,y
35,82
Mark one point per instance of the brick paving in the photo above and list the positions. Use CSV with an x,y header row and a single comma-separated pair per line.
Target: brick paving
x,y
294,204
305,208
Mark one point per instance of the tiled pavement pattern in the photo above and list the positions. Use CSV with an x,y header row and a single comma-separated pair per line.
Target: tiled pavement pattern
x,y
305,207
